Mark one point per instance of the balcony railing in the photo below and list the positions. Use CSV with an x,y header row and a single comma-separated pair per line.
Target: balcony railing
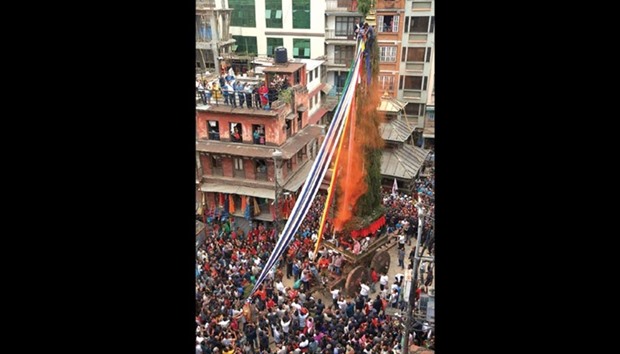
x,y
217,171
331,34
339,5
238,173
205,3
261,176
340,62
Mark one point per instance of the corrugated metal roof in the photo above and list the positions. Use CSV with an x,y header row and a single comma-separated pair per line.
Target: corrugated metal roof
x,y
391,104
396,130
404,162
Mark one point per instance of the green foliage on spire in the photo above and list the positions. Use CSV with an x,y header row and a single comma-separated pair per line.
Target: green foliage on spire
x,y
364,6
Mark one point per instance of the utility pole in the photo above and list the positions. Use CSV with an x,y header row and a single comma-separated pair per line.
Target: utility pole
x,y
277,154
416,264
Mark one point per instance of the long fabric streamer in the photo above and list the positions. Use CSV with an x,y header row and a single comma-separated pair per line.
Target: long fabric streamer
x,y
317,173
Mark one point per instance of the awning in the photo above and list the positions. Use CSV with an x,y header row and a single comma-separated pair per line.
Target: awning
x,y
326,88
300,177
256,192
290,116
318,114
240,190
302,108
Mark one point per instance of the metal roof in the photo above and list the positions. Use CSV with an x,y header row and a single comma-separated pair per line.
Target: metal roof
x,y
403,162
396,130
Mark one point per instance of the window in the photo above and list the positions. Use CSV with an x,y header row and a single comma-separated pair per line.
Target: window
x,y
424,83
387,23
387,54
238,170
261,169
301,48
213,127
273,13
420,5
316,73
386,82
343,54
413,83
216,165
216,161
431,115
432,24
428,54
299,120
414,109
310,76
418,24
345,26
415,54
258,134
246,44
272,44
236,132
244,14
301,14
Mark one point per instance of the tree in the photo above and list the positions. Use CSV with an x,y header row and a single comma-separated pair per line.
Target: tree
x,y
364,6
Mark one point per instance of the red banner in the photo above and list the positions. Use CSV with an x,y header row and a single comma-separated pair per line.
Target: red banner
x,y
370,229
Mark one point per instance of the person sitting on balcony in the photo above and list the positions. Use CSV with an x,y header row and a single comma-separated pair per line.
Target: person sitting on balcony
x,y
256,136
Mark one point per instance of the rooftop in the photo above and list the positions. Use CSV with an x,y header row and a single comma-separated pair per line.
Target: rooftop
x,y
404,162
288,68
224,108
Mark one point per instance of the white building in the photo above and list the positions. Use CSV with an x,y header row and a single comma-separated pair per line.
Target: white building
x,y
259,26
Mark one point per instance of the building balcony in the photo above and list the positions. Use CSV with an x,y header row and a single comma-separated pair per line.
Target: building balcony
x,y
340,6
205,4
333,37
338,64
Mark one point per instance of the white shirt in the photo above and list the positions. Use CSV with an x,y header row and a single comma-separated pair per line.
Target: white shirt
x,y
335,293
384,280
280,286
364,290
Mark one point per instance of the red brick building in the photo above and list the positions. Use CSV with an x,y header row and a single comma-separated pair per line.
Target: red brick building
x,y
241,166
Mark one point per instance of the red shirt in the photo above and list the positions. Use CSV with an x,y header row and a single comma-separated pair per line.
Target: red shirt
x,y
374,276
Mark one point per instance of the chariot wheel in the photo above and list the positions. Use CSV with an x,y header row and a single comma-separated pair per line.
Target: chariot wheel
x,y
352,285
381,262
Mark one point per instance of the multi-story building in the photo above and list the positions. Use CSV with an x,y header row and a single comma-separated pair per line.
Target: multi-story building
x,y
429,120
341,16
401,160
389,31
260,26
418,40
213,37
242,166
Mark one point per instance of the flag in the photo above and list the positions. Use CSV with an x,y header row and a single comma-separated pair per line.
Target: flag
x,y
395,188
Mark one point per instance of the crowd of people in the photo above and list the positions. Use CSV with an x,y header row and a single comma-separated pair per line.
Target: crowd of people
x,y
229,88
296,319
